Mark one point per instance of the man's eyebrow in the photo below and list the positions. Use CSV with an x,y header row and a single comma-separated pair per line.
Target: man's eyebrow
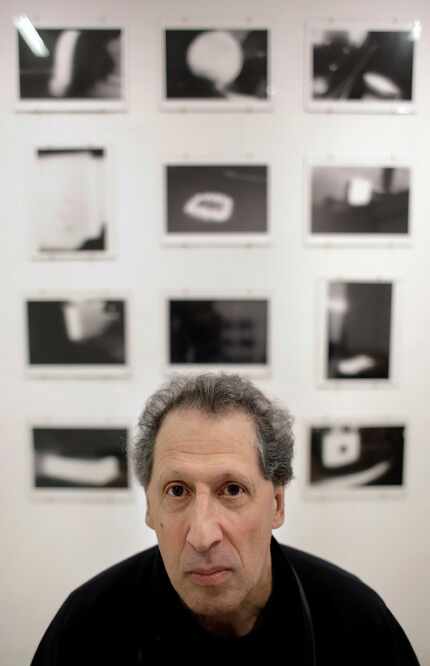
x,y
176,474
170,475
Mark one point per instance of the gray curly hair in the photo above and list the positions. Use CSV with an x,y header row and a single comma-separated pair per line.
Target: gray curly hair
x,y
217,394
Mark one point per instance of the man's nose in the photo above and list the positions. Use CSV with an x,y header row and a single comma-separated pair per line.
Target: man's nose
x,y
204,529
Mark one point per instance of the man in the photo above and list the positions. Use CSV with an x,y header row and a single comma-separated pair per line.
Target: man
x,y
214,455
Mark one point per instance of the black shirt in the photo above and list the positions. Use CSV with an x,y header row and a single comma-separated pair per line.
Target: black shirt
x,y
131,612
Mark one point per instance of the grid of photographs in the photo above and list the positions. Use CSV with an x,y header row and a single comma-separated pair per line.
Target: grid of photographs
x,y
355,459
76,335
360,67
351,66
213,203
216,68
358,204
69,68
72,220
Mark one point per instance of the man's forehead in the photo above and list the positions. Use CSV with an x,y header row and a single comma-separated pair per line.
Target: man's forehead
x,y
192,422
188,434
209,467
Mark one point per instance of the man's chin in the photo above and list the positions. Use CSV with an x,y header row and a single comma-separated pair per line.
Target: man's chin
x,y
212,605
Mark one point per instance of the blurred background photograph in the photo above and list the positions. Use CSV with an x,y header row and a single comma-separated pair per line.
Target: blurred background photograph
x,y
360,200
216,199
79,458
216,64
89,332
72,218
224,331
352,64
351,456
358,320
70,63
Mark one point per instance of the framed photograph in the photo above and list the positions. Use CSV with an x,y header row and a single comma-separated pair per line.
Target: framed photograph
x,y
357,341
79,461
218,333
70,68
216,68
354,459
361,67
216,204
354,204
77,334
74,219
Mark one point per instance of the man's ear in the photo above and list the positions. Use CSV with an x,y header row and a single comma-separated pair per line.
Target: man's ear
x,y
278,507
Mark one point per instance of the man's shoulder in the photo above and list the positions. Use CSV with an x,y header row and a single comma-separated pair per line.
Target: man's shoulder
x,y
125,578
313,565
347,614
323,579
101,620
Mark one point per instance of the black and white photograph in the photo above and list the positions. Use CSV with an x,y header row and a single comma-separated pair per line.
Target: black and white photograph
x,y
218,332
358,318
69,68
81,334
228,68
213,202
74,218
355,457
79,458
359,203
361,67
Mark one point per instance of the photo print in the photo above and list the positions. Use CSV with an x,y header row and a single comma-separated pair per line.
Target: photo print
x,y
63,68
86,333
216,65
353,457
80,458
223,332
359,202
226,200
355,67
358,340
72,219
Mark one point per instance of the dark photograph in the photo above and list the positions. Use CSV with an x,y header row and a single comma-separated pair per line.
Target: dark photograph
x,y
87,332
72,217
69,64
360,200
218,331
81,458
216,64
229,199
359,330
347,456
362,65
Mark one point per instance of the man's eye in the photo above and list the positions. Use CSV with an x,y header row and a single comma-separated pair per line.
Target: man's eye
x,y
233,490
176,490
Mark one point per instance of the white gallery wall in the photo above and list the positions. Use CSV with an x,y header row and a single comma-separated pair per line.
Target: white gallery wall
x,y
51,543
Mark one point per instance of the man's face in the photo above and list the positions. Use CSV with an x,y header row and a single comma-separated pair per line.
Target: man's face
x,y
213,511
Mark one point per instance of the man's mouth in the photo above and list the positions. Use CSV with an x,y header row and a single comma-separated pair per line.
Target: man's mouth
x,y
213,576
